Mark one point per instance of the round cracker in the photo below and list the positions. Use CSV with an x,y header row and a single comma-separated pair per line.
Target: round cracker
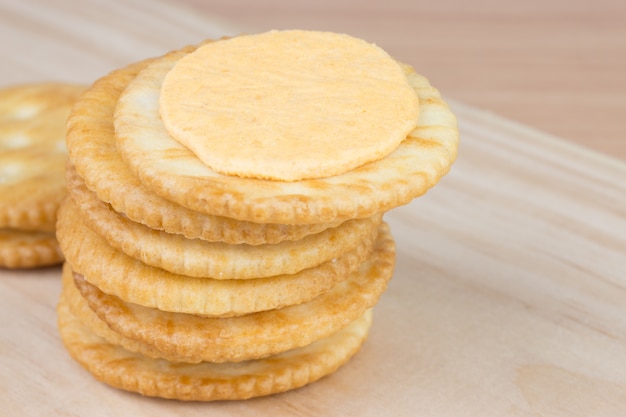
x,y
282,105
80,309
207,381
33,153
96,160
22,249
218,260
116,273
174,172
254,335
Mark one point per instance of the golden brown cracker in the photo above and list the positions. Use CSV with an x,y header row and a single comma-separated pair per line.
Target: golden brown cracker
x,y
116,273
281,105
218,260
156,213
254,335
22,249
33,153
207,381
174,172
81,310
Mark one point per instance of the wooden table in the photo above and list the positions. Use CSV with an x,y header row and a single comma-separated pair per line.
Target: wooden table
x,y
508,297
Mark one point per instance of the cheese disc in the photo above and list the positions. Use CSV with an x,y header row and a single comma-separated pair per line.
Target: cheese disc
x,y
288,105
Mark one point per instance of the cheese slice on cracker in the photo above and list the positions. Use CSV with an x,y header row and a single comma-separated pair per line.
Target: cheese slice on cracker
x,y
288,105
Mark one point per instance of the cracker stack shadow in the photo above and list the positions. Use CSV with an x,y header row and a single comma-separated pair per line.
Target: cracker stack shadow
x,y
183,283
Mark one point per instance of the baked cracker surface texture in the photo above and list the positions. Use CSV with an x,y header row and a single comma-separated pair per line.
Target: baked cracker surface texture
x,y
255,335
32,160
173,171
208,381
33,153
117,274
218,260
21,249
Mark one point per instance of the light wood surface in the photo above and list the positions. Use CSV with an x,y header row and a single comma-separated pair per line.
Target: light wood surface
x,y
508,294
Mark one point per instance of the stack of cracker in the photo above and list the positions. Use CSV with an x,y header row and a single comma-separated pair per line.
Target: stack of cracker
x,y
224,236
32,162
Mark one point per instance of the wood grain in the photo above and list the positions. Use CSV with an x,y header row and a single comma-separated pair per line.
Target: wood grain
x,y
507,298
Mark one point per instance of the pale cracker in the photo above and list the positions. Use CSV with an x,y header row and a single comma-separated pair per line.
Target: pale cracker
x,y
218,260
174,172
207,381
282,105
102,169
33,153
254,335
115,273
22,249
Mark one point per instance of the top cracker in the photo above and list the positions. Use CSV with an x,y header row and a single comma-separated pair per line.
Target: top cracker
x,y
288,105
172,171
